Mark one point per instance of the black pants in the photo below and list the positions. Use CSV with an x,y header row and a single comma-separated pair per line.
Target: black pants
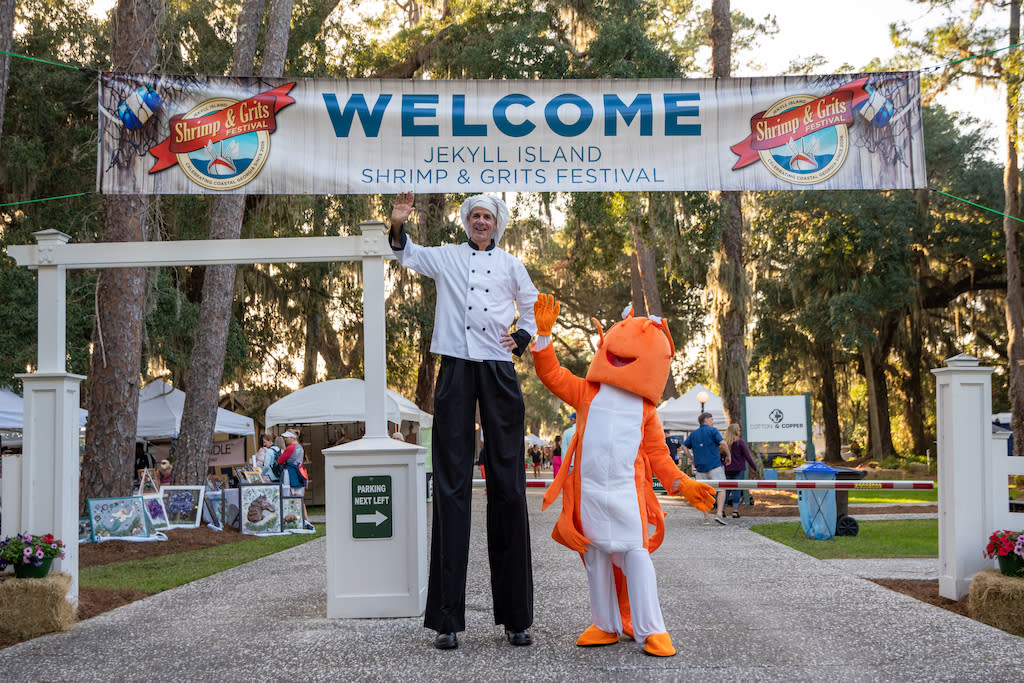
x,y
460,385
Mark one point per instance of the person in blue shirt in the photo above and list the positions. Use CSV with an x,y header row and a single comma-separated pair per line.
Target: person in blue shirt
x,y
707,460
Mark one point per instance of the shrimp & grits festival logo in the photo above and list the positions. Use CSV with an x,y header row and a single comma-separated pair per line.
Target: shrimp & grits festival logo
x,y
804,139
222,143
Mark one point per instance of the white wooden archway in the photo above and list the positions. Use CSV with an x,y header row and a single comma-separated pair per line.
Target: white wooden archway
x,y
41,490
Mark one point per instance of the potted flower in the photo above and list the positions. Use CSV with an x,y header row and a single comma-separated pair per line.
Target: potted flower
x,y
1008,548
30,555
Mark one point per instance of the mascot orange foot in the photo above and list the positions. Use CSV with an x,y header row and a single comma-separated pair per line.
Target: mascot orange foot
x,y
594,637
659,645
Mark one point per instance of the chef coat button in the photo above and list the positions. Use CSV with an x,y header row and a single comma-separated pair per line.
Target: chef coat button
x,y
487,290
488,272
485,309
472,270
483,329
467,327
471,308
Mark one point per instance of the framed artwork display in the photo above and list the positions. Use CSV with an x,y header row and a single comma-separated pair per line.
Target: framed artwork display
x,y
292,513
147,482
120,517
213,505
84,530
184,505
231,516
155,511
260,508
216,482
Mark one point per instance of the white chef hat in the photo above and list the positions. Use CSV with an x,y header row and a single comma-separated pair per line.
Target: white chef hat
x,y
495,205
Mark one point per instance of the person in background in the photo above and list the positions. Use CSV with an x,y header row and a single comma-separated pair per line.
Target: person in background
x,y
703,443
293,477
737,466
480,289
556,456
274,450
292,481
259,457
535,458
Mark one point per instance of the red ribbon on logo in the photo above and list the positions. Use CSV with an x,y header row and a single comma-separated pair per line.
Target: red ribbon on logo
x,y
248,116
769,132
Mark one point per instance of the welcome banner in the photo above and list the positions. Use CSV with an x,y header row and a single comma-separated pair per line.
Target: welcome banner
x,y
193,135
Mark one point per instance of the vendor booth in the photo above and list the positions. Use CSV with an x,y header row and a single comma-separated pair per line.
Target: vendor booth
x,y
12,411
333,412
160,409
680,414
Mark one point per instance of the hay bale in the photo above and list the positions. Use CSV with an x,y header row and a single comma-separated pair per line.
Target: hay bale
x,y
918,469
34,607
997,600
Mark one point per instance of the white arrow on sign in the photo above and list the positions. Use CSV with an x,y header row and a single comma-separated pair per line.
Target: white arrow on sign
x,y
377,518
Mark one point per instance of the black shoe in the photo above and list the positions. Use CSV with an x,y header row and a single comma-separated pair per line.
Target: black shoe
x,y
446,641
519,637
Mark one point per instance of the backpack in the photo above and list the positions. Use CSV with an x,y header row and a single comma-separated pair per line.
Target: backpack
x,y
274,453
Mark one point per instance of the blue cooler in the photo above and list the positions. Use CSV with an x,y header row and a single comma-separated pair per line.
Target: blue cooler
x,y
817,507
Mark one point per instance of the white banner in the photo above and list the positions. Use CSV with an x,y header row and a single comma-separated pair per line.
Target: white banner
x,y
193,135
776,419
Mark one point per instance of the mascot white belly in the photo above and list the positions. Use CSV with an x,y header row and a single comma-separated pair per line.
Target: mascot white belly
x,y
609,510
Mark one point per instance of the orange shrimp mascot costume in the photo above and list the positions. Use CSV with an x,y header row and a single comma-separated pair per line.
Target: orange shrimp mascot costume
x,y
608,503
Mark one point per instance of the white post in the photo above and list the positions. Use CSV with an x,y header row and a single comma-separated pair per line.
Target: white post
x,y
372,570
376,491
49,465
10,495
375,376
963,417
47,500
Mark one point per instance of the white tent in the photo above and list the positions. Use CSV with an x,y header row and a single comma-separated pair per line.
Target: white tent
x,y
160,409
534,440
680,414
338,400
12,411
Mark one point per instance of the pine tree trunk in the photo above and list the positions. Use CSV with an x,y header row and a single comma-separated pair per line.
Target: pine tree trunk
x,y
828,396
728,276
1011,230
109,458
6,43
199,414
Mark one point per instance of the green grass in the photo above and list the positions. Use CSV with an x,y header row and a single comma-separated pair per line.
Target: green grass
x,y
876,539
860,496
158,574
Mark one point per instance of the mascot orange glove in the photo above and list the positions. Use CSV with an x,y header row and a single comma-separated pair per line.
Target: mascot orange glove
x,y
545,310
700,495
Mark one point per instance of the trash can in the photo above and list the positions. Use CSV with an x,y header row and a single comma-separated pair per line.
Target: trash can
x,y
817,507
846,525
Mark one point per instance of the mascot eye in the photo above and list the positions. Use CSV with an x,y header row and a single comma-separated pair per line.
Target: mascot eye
x,y
618,361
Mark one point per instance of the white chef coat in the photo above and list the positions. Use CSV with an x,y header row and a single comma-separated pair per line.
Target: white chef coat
x,y
477,294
